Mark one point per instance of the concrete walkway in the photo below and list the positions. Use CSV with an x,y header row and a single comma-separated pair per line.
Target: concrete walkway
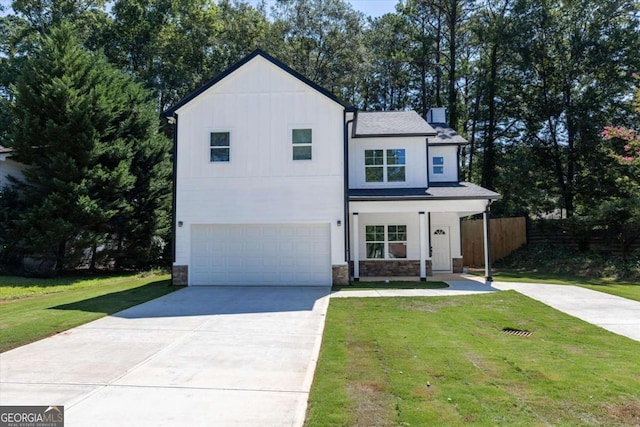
x,y
615,314
201,356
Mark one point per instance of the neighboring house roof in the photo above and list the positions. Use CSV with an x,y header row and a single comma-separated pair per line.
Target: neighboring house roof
x,y
5,152
446,136
436,191
170,112
390,123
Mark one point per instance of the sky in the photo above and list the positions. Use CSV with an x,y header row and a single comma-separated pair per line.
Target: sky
x,y
373,8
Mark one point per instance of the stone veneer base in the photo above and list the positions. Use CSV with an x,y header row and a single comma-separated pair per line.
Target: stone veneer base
x,y
340,275
180,275
391,268
458,265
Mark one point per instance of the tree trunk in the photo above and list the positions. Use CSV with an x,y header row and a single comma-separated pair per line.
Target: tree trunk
x,y
489,162
453,98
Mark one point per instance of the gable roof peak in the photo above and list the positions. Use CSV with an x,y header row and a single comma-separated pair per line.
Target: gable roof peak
x,y
258,52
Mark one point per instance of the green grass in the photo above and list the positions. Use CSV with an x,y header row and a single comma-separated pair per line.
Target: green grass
x,y
379,354
365,285
31,309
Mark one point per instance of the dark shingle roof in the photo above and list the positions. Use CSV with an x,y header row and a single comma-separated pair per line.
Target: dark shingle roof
x,y
446,135
5,150
391,123
437,191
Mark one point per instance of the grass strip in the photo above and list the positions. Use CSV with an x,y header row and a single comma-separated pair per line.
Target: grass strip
x,y
32,309
446,361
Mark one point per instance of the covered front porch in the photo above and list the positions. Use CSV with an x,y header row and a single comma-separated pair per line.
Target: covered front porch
x,y
410,238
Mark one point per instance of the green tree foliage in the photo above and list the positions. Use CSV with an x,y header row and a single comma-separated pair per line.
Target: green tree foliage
x,y
386,83
97,168
322,39
575,69
620,212
169,44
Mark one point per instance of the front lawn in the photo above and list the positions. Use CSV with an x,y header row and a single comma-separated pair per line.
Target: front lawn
x,y
31,309
446,361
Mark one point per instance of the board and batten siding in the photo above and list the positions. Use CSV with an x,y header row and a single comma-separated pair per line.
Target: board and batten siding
x,y
449,153
259,104
415,158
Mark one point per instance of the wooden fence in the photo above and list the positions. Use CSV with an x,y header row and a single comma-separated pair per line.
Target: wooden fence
x,y
507,235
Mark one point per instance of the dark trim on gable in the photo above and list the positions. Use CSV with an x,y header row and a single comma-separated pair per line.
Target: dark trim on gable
x,y
400,198
444,144
174,199
393,135
170,112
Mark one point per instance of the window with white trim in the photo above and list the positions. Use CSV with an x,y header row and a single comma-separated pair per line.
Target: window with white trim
x,y
438,165
219,146
301,140
386,241
384,165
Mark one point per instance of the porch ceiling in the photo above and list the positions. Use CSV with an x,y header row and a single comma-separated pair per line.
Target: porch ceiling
x,y
460,207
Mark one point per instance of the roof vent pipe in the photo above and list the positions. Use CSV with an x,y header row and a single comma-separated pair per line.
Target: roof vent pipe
x,y
437,115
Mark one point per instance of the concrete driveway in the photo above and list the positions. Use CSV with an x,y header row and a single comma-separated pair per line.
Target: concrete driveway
x,y
204,356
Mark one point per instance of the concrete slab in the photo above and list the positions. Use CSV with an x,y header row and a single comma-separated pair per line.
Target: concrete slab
x,y
616,314
193,407
224,356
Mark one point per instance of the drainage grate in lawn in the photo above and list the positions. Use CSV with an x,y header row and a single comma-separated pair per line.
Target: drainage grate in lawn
x,y
517,332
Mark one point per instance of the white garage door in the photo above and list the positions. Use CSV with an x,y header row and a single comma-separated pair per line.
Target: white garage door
x,y
261,254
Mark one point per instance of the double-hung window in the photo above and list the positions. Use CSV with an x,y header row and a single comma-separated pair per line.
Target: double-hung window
x,y
219,147
386,241
438,165
385,165
301,141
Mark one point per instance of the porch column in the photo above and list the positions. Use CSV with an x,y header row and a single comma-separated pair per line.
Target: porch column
x,y
423,248
356,247
487,245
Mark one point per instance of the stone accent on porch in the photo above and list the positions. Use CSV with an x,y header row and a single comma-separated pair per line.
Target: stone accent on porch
x,y
391,268
457,264
180,275
340,274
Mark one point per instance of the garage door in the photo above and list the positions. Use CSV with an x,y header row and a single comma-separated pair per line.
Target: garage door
x,y
261,254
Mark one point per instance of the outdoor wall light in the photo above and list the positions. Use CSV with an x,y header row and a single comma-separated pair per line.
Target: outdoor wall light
x,y
180,223
339,223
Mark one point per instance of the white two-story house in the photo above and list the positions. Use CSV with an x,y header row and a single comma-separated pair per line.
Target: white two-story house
x,y
277,182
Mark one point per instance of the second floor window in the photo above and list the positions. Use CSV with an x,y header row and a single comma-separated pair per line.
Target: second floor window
x,y
384,165
301,139
219,146
438,165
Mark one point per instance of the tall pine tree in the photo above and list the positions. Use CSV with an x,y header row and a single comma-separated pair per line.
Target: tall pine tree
x,y
97,167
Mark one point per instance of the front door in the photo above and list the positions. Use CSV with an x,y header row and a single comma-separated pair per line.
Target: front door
x,y
441,260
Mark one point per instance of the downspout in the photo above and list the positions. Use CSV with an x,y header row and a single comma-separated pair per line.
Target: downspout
x,y
487,242
459,160
347,240
173,120
429,231
427,143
